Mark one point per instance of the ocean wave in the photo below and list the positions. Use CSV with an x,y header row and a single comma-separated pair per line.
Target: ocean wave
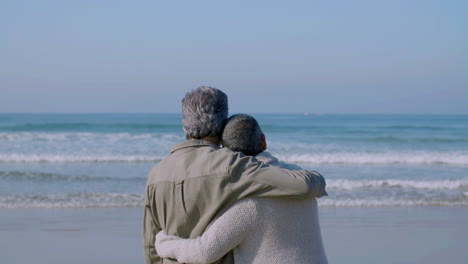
x,y
40,158
43,176
90,137
332,184
73,200
327,202
339,158
87,126
416,158
396,139
173,138
343,184
102,200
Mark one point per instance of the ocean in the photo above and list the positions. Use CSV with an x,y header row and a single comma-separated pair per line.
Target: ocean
x,y
101,160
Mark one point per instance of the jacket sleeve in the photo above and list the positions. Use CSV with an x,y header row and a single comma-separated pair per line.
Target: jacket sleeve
x,y
251,178
150,229
227,232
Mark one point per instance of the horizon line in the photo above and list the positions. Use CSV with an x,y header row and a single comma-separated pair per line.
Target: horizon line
x,y
272,113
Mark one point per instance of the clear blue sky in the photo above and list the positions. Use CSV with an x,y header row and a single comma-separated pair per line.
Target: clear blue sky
x,y
268,56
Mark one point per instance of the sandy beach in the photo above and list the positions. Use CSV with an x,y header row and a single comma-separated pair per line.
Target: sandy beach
x,y
351,235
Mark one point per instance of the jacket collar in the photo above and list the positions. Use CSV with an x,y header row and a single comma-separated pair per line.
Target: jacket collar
x,y
193,143
266,157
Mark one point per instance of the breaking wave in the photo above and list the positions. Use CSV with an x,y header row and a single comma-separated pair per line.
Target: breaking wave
x,y
390,203
102,200
416,158
87,126
342,184
72,200
43,176
404,158
86,136
77,158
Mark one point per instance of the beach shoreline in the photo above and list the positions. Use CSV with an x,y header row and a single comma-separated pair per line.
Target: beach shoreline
x,y
351,235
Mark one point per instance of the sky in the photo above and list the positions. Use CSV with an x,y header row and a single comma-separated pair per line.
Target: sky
x,y
267,56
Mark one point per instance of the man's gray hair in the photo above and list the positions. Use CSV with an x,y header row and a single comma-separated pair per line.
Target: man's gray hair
x,y
204,112
242,133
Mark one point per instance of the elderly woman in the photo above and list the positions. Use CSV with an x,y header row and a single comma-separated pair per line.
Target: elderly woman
x,y
257,230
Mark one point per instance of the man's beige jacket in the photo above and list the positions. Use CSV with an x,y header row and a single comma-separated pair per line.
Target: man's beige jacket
x,y
189,189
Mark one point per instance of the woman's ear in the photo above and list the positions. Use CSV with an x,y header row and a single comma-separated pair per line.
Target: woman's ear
x,y
264,144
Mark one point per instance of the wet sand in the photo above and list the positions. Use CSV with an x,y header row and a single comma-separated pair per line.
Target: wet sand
x,y
351,235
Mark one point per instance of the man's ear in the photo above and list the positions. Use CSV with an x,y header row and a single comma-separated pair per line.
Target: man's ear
x,y
264,144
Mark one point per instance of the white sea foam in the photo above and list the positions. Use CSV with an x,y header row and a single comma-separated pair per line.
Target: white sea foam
x,y
84,147
343,184
136,147
74,200
329,202
76,158
84,136
415,157
101,200
42,176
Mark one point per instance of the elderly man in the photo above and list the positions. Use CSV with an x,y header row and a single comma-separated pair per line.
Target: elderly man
x,y
193,186
273,231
